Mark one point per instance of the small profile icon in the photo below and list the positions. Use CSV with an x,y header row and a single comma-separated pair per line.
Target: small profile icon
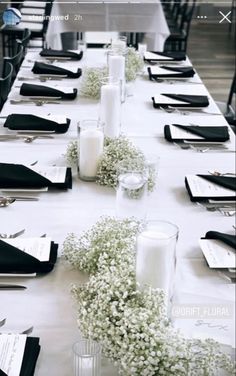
x,y
11,16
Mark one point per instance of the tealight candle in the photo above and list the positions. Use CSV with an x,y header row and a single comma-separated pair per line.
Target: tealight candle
x,y
111,109
91,140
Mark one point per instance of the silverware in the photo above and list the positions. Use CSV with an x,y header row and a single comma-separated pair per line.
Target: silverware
x,y
28,331
6,201
22,198
199,111
227,275
37,102
5,286
12,236
43,78
217,173
2,322
26,138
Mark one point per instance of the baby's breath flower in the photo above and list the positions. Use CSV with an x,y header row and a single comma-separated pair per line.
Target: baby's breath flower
x,y
131,325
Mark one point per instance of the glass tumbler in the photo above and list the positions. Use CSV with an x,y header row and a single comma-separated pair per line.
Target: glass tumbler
x,y
131,194
87,358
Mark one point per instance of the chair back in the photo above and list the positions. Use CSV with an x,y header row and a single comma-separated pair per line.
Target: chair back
x,y
15,60
69,40
5,84
24,41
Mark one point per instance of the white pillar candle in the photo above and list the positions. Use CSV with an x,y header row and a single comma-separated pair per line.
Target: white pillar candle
x,y
87,367
154,259
116,68
111,109
90,150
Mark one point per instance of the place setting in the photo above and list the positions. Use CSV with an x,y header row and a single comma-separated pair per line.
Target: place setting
x,y
20,182
219,251
200,138
172,74
158,57
39,94
214,192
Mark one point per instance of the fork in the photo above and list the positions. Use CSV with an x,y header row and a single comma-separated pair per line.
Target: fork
x,y
6,201
12,236
217,173
2,322
36,102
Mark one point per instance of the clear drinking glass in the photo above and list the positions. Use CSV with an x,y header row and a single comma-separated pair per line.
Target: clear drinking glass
x,y
119,44
142,48
87,358
131,194
90,148
156,257
110,106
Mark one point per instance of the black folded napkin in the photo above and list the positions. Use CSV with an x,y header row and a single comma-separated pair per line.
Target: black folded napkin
x,y
183,72
28,122
212,134
230,240
32,349
190,101
31,353
32,90
61,53
223,181
13,260
19,176
42,68
175,56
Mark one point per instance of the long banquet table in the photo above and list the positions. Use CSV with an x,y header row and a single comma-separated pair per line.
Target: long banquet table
x,y
145,16
47,304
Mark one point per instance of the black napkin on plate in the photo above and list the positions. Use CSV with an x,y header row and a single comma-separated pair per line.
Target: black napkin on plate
x,y
190,100
220,134
223,181
13,260
42,68
183,72
28,122
32,90
2,373
175,56
61,53
19,176
230,240
32,349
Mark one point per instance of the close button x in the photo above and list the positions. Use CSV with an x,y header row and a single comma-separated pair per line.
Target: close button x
x,y
225,17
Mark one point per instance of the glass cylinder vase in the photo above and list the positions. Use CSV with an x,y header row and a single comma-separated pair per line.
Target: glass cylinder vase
x,y
87,358
90,148
131,193
110,106
156,258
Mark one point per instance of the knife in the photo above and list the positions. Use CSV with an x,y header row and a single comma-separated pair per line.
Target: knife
x,y
5,286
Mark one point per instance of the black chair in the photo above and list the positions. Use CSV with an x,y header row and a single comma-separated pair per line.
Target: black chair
x,y
228,108
178,39
15,61
5,84
38,32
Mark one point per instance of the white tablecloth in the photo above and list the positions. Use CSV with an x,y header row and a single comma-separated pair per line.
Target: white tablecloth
x,y
145,16
46,303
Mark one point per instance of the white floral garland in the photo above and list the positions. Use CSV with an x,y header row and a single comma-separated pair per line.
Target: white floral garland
x,y
132,326
92,77
116,150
